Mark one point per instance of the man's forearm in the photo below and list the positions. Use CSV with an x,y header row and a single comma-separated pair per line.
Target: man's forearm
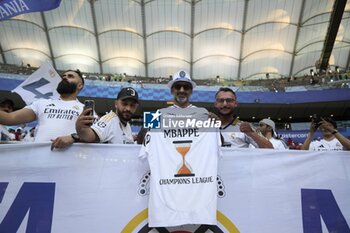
x,y
343,140
260,140
23,115
306,144
87,135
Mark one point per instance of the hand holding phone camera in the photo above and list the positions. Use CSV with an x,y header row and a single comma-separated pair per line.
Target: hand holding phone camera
x,y
90,104
316,119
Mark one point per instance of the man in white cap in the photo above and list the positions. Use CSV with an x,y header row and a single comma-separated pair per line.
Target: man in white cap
x,y
181,88
162,149
268,129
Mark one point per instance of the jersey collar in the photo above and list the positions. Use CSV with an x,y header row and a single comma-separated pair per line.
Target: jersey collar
x,y
233,122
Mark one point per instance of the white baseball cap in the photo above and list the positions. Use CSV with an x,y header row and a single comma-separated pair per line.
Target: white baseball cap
x,y
181,76
270,123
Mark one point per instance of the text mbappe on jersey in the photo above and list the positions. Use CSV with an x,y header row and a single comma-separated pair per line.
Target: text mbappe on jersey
x,y
175,133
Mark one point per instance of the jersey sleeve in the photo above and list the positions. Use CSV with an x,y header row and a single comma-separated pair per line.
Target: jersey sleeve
x,y
35,106
103,127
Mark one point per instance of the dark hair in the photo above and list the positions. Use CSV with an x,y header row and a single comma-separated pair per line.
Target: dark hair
x,y
6,101
225,89
77,71
330,120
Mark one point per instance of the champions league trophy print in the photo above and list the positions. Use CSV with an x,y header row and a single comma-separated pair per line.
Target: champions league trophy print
x,y
184,168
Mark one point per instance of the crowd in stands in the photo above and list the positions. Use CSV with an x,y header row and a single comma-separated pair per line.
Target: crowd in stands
x,y
21,135
234,132
335,79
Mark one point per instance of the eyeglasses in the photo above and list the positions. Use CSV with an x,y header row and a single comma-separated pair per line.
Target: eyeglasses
x,y
228,100
178,86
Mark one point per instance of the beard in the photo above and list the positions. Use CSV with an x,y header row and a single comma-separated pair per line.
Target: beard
x,y
65,87
226,113
124,116
181,99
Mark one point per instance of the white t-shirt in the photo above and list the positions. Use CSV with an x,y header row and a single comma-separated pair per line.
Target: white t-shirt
x,y
28,138
180,194
324,145
5,135
278,144
109,129
55,118
189,106
233,136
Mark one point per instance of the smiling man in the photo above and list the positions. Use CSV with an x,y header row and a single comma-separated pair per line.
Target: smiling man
x,y
56,118
113,127
181,88
236,133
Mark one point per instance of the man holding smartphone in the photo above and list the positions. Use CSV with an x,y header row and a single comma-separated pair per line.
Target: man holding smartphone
x,y
113,127
332,140
56,117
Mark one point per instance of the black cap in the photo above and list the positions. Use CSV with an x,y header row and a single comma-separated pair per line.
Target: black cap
x,y
8,101
128,93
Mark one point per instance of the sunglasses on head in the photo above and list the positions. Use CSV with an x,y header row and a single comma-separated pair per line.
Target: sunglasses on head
x,y
185,86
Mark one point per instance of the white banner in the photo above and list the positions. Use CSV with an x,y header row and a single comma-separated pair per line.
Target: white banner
x,y
41,84
104,188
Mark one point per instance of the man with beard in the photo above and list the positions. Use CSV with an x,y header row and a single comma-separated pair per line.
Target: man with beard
x,y
236,133
267,128
56,118
181,88
113,127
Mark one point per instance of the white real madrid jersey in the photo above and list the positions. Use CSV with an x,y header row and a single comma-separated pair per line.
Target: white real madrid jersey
x,y
236,139
324,145
109,129
278,144
183,178
55,117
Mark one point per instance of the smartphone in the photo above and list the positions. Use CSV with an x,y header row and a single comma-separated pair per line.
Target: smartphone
x,y
316,119
90,104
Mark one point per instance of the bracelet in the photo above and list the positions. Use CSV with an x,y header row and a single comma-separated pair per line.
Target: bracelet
x,y
335,131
